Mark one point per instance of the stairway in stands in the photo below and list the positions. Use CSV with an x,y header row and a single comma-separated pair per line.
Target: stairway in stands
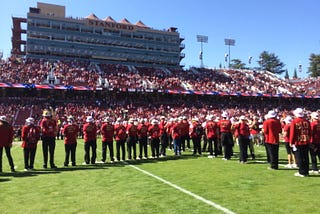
x,y
21,116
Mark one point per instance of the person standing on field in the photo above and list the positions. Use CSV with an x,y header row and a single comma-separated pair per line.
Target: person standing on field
x,y
300,138
271,129
6,139
90,140
314,147
30,136
70,132
107,133
49,130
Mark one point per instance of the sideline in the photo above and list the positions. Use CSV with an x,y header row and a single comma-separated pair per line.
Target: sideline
x,y
217,206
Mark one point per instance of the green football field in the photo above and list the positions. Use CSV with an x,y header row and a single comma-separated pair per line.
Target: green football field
x,y
184,184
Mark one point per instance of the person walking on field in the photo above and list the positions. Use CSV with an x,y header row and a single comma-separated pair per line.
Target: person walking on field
x,y
300,138
286,134
271,129
6,139
314,147
243,133
49,130
107,132
30,136
90,140
70,132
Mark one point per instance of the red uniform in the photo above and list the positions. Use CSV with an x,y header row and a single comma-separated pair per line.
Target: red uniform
x,y
211,129
300,132
120,132
90,132
154,131
315,132
48,127
70,132
271,129
107,132
142,130
6,135
24,136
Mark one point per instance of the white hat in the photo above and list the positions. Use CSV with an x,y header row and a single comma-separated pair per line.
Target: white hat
x,y
288,119
70,118
29,121
89,119
298,112
224,114
210,117
3,118
154,121
315,115
242,117
196,119
271,114
107,119
162,117
46,113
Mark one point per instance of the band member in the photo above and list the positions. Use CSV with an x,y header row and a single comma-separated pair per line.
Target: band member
x,y
107,132
226,135
49,131
70,132
132,133
196,132
143,139
314,147
120,137
243,133
300,137
154,133
30,136
6,138
90,140
271,129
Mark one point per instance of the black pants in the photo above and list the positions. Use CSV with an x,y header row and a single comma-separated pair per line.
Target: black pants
x,y
227,143
108,144
143,147
196,145
155,147
48,145
93,145
273,151
120,144
10,160
70,149
213,146
164,142
314,152
132,147
302,158
29,155
243,146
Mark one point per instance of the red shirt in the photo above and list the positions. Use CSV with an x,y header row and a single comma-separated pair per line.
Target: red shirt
x,y
185,128
48,127
176,130
271,129
154,131
224,125
24,134
107,132
132,130
120,132
243,130
70,132
90,132
211,129
6,134
300,132
315,132
286,130
142,130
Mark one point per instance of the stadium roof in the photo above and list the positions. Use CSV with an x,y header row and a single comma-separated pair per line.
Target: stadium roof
x,y
125,21
141,24
109,19
92,16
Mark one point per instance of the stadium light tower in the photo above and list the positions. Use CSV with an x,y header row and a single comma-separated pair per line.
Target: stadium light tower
x,y
202,39
229,42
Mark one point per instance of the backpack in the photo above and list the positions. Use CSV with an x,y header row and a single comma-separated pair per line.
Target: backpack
x,y
32,135
199,130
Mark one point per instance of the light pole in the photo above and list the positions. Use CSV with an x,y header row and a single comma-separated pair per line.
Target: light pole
x,y
229,42
202,39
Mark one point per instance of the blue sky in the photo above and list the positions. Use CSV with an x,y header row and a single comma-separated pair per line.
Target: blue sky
x,y
287,28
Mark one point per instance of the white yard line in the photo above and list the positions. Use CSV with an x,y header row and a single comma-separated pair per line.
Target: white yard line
x,y
215,205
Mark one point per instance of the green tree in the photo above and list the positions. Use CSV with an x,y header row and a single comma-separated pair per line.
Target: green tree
x,y
237,64
271,62
295,75
314,68
286,76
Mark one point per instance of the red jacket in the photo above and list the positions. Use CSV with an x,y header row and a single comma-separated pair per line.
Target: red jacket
x,y
70,132
107,132
300,132
142,130
154,131
242,129
315,132
211,129
24,136
90,132
48,127
6,134
120,132
271,129
225,125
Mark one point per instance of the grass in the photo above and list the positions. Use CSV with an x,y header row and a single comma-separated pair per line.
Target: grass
x,y
120,188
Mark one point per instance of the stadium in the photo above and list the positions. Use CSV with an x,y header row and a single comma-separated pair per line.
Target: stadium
x,y
109,70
